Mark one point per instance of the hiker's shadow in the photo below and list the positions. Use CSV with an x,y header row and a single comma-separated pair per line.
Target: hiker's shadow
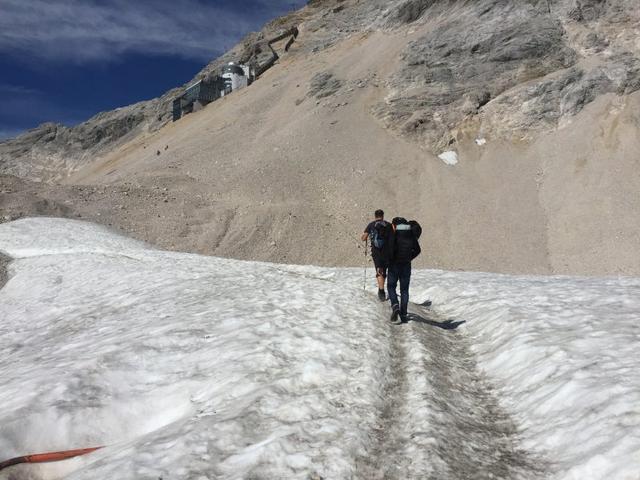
x,y
446,325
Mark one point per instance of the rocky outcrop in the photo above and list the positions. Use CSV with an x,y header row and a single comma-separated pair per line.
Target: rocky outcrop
x,y
51,151
324,85
508,68
545,104
447,75
408,12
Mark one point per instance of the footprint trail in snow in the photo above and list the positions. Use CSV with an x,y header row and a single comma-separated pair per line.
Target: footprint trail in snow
x,y
435,381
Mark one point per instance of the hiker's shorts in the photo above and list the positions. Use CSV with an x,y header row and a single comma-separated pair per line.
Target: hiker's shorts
x,y
381,267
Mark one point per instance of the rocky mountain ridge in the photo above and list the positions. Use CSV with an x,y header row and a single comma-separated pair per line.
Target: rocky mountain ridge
x,y
470,71
51,151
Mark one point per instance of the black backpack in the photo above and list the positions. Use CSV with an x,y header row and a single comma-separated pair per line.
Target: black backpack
x,y
379,233
415,228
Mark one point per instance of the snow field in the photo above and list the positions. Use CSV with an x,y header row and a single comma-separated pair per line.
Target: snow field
x,y
564,355
182,365
195,367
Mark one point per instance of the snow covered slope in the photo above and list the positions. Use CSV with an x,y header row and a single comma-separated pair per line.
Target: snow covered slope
x,y
196,367
565,355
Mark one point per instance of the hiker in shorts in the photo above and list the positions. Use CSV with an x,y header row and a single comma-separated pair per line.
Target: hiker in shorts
x,y
377,231
400,249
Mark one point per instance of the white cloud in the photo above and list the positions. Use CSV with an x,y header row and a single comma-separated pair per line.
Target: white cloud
x,y
81,31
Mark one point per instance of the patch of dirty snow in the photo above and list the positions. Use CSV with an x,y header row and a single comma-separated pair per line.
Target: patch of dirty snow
x,y
449,157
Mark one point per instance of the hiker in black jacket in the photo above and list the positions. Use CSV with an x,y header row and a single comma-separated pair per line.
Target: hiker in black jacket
x,y
400,249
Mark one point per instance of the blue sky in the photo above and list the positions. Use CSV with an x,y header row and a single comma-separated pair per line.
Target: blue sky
x,y
65,60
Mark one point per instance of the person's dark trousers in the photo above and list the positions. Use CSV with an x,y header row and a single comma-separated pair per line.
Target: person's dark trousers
x,y
399,272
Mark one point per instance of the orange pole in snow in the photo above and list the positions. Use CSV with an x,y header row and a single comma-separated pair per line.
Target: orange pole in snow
x,y
47,457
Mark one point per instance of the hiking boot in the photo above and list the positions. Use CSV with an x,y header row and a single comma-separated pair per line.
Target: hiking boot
x,y
395,313
381,295
404,318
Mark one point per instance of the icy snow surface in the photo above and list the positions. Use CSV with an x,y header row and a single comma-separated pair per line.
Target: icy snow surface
x,y
195,367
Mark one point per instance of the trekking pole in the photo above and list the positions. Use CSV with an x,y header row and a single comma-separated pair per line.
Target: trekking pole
x,y
364,280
